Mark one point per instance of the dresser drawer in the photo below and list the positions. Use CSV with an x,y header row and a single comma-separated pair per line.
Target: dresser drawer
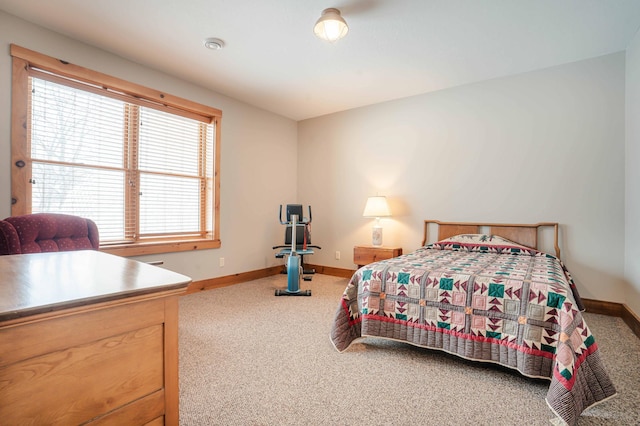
x,y
364,255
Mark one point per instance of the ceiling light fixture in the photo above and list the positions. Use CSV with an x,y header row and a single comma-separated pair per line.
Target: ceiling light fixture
x,y
331,26
214,43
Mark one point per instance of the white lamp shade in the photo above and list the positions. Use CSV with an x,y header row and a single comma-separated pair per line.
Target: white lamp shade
x,y
376,207
331,26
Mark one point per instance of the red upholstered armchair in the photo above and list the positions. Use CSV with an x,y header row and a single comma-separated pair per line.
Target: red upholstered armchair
x,y
44,232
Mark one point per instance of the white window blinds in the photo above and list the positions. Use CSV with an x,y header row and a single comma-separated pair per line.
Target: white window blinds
x,y
138,172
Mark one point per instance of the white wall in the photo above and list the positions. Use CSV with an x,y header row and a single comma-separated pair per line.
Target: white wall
x,y
259,153
632,190
542,146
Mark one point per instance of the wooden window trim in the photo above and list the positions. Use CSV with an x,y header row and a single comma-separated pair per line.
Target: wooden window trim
x,y
24,60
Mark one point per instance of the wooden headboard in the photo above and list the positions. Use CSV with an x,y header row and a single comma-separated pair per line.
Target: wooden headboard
x,y
524,234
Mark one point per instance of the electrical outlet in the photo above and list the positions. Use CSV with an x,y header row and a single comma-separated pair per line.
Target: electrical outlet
x,y
221,262
337,255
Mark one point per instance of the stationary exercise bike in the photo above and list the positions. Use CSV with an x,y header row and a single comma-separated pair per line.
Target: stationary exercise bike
x,y
297,239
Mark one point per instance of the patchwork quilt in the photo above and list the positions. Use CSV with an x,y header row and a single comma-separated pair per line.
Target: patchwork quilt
x,y
486,299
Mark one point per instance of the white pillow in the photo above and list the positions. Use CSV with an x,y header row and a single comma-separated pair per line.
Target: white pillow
x,y
481,239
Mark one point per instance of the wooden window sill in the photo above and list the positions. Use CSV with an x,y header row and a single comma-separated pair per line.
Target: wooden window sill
x,y
156,247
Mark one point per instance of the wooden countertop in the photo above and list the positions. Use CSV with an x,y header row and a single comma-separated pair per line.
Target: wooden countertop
x,y
37,283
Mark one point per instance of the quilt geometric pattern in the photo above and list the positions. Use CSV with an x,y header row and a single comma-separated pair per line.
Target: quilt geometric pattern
x,y
505,304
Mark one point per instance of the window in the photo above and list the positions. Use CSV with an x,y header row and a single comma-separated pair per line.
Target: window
x,y
143,165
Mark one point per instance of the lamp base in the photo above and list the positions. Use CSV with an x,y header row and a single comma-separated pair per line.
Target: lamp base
x,y
376,235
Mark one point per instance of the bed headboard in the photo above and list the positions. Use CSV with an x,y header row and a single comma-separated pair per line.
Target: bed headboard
x,y
525,234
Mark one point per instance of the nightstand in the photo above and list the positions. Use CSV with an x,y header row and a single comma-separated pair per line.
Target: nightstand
x,y
364,255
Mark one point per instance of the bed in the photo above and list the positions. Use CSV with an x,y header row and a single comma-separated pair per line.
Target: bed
x,y
484,292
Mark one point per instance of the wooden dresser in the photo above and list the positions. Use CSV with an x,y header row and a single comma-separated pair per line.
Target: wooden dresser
x,y
88,337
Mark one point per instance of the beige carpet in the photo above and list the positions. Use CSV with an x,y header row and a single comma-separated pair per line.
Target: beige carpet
x,y
250,358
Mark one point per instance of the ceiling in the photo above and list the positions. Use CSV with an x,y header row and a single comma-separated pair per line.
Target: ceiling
x,y
394,49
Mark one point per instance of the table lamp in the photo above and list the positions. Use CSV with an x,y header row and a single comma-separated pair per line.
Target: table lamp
x,y
376,207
